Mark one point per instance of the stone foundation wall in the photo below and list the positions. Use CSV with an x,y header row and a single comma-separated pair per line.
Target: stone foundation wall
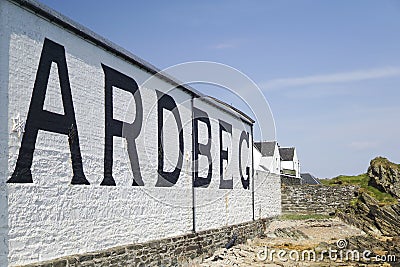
x,y
182,250
315,198
290,180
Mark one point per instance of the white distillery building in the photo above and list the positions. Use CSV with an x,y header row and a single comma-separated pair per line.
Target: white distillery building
x,y
290,164
267,156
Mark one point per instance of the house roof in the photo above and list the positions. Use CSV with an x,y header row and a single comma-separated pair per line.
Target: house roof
x,y
266,148
287,153
309,179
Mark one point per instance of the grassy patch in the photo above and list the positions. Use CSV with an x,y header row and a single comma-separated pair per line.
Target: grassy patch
x,y
289,172
385,163
362,181
353,202
304,216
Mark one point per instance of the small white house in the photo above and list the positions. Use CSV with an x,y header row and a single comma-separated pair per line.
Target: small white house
x,y
290,164
266,156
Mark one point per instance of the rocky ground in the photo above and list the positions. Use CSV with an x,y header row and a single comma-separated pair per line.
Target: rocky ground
x,y
297,241
365,233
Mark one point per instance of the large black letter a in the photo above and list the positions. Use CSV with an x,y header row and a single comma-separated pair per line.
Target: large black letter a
x,y
39,119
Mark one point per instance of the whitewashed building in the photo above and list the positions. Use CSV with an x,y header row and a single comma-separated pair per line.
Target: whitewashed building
x,y
269,157
266,161
290,164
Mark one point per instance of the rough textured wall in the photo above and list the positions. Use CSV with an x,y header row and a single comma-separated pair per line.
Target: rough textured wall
x,y
4,47
290,180
216,204
50,217
185,250
267,194
315,198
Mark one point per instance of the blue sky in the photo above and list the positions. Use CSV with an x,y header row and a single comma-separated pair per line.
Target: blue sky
x,y
330,70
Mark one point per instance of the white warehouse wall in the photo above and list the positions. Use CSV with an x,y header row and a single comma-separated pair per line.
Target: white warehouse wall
x,y
50,217
267,202
273,164
216,206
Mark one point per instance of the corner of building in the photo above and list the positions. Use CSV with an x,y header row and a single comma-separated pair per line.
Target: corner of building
x,y
4,54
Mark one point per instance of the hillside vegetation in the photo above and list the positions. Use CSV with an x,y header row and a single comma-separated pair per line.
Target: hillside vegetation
x,y
375,210
364,182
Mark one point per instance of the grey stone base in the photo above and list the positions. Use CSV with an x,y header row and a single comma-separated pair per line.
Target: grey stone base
x,y
316,199
175,251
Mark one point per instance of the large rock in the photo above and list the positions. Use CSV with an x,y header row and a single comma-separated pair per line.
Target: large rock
x,y
368,215
366,212
385,176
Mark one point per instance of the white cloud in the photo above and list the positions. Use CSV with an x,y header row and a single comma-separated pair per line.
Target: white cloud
x,y
223,46
343,77
363,145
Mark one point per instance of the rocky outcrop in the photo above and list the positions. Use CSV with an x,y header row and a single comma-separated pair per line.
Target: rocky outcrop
x,y
368,215
385,176
366,212
390,246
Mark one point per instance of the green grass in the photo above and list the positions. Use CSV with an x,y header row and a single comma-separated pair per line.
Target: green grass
x,y
354,202
289,172
362,181
304,216
385,163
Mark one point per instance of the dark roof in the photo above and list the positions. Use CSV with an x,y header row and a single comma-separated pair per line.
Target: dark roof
x,y
309,179
70,25
287,153
266,148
